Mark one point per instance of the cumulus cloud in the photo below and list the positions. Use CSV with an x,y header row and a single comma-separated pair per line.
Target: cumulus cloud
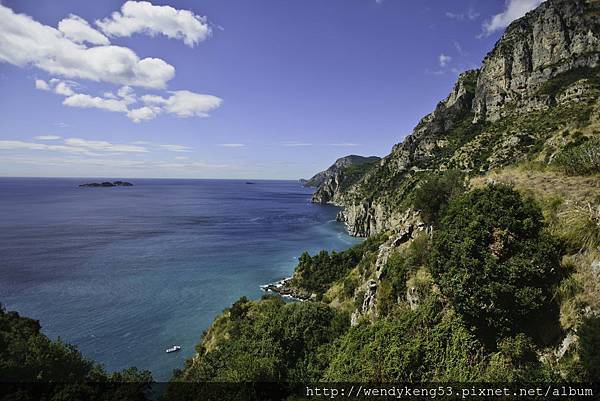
x,y
87,102
444,60
185,103
144,17
514,9
63,88
180,103
79,30
24,41
143,114
42,85
46,137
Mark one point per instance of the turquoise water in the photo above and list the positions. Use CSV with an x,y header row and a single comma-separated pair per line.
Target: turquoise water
x,y
124,273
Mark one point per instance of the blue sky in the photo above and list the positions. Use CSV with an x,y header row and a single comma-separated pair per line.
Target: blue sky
x,y
226,88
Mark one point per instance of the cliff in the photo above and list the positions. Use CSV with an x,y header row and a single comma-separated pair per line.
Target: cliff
x,y
541,78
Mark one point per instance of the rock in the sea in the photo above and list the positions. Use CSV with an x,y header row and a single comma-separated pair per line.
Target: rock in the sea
x,y
106,184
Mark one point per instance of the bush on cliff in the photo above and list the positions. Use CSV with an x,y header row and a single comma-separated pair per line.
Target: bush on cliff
x,y
316,273
495,262
270,340
433,195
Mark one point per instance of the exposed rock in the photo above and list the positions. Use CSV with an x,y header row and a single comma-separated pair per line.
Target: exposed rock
x,y
351,160
106,184
560,35
542,61
596,269
412,297
569,340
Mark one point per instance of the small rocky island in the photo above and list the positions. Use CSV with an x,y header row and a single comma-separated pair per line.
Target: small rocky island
x,y
106,184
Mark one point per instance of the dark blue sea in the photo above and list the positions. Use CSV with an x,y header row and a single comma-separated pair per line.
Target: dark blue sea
x,y
126,272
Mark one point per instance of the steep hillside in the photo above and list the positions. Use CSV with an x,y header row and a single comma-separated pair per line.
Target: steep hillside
x,y
339,176
541,79
482,262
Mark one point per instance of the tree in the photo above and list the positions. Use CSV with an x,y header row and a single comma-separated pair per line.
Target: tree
x,y
495,262
433,195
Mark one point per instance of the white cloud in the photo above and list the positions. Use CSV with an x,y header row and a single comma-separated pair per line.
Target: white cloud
x,y
127,94
144,17
346,144
514,9
87,102
57,86
79,30
188,104
184,103
46,137
444,60
24,41
176,148
293,144
143,113
15,145
42,85
471,15
104,146
181,158
232,145
63,88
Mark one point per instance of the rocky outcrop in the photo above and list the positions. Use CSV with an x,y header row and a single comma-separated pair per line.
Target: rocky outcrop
x,y
403,234
106,184
543,61
341,163
559,36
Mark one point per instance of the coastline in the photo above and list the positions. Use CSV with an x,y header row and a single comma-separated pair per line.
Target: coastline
x,y
283,288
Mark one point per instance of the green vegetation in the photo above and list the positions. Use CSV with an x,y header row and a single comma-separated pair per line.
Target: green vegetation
x,y
430,344
354,172
317,273
397,270
433,194
494,261
28,356
560,82
268,340
581,228
581,159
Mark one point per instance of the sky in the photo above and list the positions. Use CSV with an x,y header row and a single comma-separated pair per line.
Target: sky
x,y
261,89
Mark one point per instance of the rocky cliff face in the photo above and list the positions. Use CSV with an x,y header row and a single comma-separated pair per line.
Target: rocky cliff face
x,y
545,63
343,173
559,36
341,163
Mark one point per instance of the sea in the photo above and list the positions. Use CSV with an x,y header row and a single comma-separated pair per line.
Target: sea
x,y
124,273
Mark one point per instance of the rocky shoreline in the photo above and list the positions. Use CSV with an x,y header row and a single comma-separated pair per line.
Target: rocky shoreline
x,y
284,289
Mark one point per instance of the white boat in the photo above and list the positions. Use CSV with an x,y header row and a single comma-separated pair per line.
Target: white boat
x,y
174,348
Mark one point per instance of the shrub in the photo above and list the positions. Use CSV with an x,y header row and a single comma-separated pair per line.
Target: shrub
x,y
589,335
316,273
582,159
429,344
495,262
396,271
433,195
